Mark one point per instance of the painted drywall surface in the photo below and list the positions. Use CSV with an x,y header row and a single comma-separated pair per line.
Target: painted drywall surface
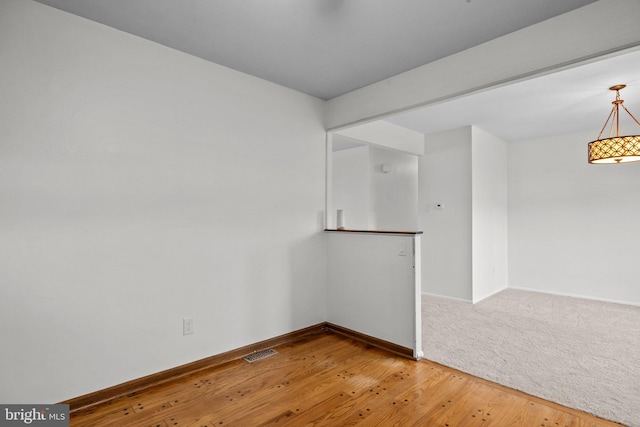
x,y
489,213
572,226
445,178
140,186
521,54
386,135
394,190
371,288
374,198
352,186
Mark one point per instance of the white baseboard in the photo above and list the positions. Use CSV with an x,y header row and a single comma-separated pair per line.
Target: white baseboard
x,y
489,295
461,299
447,297
564,294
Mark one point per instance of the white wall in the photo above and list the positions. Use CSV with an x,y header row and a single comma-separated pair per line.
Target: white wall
x,y
352,186
383,134
463,213
394,195
371,199
489,217
573,227
138,186
372,289
445,178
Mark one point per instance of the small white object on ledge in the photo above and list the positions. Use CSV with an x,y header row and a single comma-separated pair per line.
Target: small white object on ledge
x,y
341,225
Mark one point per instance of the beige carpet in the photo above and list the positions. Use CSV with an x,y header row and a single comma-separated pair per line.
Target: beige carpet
x,y
580,353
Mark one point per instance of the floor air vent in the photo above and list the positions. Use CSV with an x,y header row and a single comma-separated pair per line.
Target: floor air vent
x,y
259,355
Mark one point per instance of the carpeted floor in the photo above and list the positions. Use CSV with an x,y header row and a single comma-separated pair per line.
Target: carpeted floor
x,y
580,353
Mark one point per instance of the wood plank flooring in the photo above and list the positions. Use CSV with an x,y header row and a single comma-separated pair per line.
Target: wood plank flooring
x,y
330,380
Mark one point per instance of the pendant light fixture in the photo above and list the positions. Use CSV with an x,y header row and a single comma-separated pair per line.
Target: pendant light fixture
x,y
615,148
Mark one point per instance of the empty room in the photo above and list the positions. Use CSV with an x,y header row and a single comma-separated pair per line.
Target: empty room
x,y
322,212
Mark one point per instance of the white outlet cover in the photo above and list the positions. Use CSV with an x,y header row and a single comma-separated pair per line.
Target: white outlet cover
x,y
187,326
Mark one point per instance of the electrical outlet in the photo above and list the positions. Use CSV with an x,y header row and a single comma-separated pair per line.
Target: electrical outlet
x,y
402,249
187,326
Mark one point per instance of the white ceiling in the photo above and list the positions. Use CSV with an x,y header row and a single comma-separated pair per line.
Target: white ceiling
x,y
326,48
568,101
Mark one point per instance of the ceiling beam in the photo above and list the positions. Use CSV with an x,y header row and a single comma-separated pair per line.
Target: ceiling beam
x,y
585,34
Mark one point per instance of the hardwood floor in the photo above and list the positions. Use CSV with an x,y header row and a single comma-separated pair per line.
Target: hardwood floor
x,y
330,380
